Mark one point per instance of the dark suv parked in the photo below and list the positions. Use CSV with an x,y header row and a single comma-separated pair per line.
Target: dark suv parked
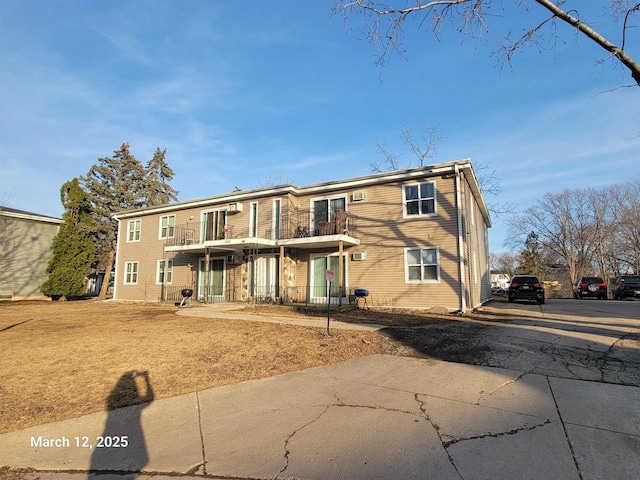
x,y
626,286
590,287
525,287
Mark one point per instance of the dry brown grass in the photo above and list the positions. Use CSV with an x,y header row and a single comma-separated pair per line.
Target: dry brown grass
x,y
348,314
61,360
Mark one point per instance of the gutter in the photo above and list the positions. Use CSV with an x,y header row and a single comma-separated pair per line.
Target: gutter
x,y
463,288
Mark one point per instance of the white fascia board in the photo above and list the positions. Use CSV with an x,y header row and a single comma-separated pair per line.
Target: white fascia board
x,y
385,177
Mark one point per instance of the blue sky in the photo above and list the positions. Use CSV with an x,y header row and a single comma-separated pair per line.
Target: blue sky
x,y
238,92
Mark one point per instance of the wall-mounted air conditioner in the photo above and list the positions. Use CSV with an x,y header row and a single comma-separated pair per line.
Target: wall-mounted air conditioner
x,y
235,207
359,256
359,196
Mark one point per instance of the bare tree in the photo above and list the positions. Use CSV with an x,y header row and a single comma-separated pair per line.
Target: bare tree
x,y
423,149
626,240
504,262
562,221
383,25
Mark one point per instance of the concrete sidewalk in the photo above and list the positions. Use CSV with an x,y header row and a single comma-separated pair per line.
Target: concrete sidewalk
x,y
226,311
378,417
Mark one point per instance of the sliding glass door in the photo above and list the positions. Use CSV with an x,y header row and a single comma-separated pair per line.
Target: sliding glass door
x,y
319,266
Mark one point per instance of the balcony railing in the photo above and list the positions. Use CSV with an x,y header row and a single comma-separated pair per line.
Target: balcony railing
x,y
285,226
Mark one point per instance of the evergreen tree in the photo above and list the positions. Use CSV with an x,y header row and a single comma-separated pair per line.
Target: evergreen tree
x,y
113,184
120,183
531,257
73,247
158,174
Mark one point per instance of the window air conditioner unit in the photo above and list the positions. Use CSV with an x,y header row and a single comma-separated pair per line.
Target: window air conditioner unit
x,y
359,196
235,207
358,256
232,259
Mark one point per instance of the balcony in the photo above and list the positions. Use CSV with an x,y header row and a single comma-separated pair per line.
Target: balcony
x,y
301,229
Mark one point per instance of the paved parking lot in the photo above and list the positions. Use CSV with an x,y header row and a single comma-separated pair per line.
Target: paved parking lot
x,y
579,339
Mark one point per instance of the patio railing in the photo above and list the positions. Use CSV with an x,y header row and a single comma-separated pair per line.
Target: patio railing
x,y
297,225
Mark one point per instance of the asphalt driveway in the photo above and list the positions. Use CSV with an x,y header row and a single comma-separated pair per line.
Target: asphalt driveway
x,y
578,339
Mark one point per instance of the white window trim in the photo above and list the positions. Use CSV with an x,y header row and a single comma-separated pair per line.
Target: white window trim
x,y
212,210
126,272
276,211
129,231
160,237
406,265
345,265
419,215
312,217
253,219
164,272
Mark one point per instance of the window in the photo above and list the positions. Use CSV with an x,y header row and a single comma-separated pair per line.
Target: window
x,y
131,273
133,229
421,265
253,219
167,226
275,227
420,199
213,225
160,277
329,216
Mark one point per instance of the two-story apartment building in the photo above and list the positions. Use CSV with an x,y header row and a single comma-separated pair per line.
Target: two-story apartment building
x,y
412,238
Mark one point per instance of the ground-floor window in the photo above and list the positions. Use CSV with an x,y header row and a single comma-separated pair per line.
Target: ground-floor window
x,y
421,265
131,273
165,269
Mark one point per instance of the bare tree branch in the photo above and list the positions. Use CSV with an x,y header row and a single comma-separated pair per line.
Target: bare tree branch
x,y
383,25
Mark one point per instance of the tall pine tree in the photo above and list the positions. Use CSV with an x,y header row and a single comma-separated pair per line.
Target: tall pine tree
x,y
120,183
531,257
158,174
73,247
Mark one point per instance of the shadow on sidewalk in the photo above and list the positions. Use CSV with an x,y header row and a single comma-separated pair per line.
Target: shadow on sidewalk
x,y
121,447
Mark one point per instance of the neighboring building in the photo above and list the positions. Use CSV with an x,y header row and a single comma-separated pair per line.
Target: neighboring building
x,y
499,280
25,251
412,238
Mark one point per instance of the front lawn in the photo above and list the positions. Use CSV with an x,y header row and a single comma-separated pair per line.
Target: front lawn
x,y
62,359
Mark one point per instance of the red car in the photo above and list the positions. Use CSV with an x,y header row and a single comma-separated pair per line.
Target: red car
x,y
590,287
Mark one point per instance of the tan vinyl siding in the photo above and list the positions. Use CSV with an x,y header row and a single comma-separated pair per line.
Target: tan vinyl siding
x,y
385,235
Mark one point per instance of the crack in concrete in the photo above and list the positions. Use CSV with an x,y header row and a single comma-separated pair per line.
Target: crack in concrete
x,y
287,452
564,429
204,457
496,435
437,430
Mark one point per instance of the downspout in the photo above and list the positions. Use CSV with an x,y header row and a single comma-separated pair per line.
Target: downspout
x,y
107,276
463,289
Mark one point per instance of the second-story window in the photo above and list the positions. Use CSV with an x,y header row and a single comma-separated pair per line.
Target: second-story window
x,y
329,216
253,219
133,230
420,199
167,226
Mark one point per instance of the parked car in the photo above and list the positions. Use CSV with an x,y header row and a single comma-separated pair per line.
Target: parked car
x,y
590,287
626,286
525,287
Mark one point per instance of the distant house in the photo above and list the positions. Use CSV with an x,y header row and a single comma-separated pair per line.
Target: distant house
x,y
25,251
412,238
499,279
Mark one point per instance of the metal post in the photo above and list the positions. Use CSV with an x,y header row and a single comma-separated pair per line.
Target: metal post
x,y
328,307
